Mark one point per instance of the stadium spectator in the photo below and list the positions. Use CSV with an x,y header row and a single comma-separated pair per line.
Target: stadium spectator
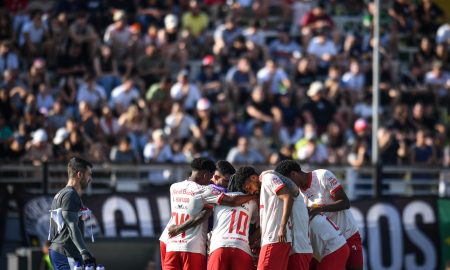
x,y
240,79
124,95
284,50
123,152
8,58
106,69
185,92
243,153
157,150
180,125
318,110
92,93
117,35
316,19
38,149
82,33
261,110
274,79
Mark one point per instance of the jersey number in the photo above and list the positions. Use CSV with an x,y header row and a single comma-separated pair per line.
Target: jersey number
x,y
180,219
242,224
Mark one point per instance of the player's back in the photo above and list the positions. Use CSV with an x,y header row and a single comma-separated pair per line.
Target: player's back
x,y
232,224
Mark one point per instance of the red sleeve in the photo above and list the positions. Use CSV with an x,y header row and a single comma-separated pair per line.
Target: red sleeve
x,y
279,188
219,201
336,189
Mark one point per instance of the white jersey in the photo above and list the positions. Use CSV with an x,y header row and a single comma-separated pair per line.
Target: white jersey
x,y
231,225
325,236
271,210
299,216
300,219
321,188
187,200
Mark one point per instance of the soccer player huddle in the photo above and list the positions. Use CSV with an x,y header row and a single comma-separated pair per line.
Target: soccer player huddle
x,y
303,222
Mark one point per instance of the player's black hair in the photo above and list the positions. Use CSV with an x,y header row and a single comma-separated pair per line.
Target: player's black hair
x,y
285,167
76,165
225,167
203,164
242,174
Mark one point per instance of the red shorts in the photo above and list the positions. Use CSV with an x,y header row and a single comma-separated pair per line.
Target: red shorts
x,y
230,258
162,251
176,260
299,261
274,256
333,261
355,259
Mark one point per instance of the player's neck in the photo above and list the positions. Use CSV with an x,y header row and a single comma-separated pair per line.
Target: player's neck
x,y
75,184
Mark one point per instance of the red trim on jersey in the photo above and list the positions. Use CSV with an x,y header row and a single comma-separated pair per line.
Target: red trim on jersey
x,y
261,206
278,188
336,189
221,198
208,206
309,181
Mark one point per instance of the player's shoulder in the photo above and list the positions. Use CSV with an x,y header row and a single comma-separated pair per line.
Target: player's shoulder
x,y
270,176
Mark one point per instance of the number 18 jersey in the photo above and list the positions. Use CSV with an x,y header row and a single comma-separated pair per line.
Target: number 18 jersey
x,y
231,225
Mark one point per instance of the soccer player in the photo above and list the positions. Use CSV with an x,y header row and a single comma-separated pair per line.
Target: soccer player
x,y
325,194
330,247
275,210
188,198
67,219
301,253
229,244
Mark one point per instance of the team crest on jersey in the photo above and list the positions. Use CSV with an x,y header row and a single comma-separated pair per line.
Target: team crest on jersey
x,y
333,181
277,181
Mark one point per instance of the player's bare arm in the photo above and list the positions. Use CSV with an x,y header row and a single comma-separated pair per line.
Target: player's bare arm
x,y
237,200
196,220
341,202
284,195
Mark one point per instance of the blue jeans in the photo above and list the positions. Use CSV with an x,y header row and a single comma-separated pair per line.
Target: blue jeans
x,y
59,261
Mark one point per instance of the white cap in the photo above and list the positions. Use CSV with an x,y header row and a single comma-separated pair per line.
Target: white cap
x,y
61,135
39,136
171,21
203,104
315,88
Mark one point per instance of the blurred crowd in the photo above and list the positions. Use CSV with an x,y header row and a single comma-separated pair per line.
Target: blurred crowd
x,y
250,81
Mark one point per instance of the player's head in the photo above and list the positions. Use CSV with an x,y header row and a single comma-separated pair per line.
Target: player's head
x,y
223,173
202,170
247,179
80,170
289,168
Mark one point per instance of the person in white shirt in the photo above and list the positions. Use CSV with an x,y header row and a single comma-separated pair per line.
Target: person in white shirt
x,y
324,194
187,249
185,92
92,93
276,77
158,151
275,210
123,95
329,246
